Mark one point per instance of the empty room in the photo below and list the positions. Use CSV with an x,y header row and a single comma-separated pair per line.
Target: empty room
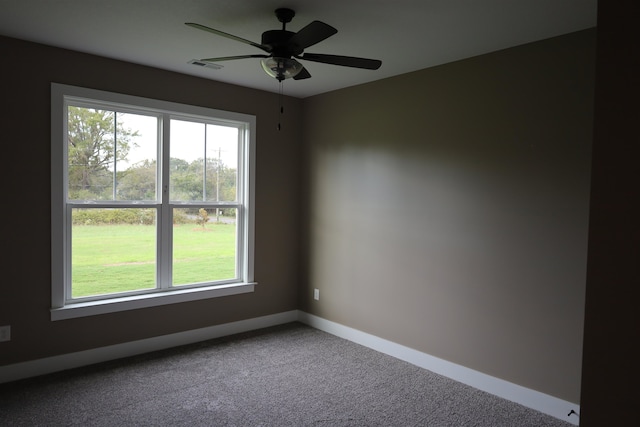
x,y
318,213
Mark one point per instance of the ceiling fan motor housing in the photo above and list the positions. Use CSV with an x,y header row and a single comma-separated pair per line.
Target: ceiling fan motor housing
x,y
277,40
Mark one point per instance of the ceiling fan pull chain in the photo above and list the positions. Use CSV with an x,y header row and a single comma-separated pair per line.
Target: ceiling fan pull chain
x,y
280,104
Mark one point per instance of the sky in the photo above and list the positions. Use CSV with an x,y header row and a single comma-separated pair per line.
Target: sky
x,y
187,139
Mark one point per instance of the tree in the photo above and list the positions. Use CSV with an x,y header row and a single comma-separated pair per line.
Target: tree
x,y
138,182
96,141
186,179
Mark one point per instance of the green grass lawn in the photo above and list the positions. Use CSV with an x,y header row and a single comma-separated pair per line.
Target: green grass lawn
x,y
121,258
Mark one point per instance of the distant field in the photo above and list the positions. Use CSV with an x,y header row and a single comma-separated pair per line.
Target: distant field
x,y
121,258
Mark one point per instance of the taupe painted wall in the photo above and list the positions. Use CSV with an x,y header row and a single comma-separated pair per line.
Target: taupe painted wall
x,y
27,72
447,210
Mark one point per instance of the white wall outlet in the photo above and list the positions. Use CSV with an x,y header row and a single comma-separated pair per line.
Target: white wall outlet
x,y
5,333
316,294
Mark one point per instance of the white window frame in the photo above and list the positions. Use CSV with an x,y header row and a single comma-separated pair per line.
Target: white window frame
x,y
62,306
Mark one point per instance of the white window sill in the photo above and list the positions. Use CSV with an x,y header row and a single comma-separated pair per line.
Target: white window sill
x,y
113,305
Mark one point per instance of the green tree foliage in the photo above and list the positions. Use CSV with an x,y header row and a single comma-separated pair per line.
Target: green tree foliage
x,y
187,181
138,182
93,149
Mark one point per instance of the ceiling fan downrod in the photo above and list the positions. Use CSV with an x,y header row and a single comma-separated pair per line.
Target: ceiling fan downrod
x,y
285,16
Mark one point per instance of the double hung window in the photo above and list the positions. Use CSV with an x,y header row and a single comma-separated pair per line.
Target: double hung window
x,y
151,202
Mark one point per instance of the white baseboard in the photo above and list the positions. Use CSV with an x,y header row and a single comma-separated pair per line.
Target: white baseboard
x,y
541,402
538,401
49,365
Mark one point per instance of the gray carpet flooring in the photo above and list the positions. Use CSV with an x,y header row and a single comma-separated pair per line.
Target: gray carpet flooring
x,y
288,375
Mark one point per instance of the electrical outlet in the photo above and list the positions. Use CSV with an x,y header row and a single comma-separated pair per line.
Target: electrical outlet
x,y
316,294
5,333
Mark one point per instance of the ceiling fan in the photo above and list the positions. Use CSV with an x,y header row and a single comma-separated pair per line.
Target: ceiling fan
x,y
282,46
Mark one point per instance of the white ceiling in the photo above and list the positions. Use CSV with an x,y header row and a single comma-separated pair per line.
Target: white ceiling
x,y
407,35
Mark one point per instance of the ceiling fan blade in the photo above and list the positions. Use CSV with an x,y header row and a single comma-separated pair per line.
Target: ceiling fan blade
x,y
230,58
313,33
303,74
347,61
229,36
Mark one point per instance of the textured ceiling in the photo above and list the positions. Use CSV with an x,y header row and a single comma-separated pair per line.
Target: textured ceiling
x,y
406,35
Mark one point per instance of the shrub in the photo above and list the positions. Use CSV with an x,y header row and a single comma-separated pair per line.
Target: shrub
x,y
113,216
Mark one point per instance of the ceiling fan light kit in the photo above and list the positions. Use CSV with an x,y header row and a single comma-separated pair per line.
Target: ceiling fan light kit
x,y
282,46
281,68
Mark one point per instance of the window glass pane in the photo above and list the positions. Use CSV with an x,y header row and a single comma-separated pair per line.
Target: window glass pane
x,y
111,155
187,161
204,245
203,162
136,176
112,251
222,163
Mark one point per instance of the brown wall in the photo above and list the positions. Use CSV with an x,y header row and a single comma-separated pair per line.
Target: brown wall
x,y
448,210
27,72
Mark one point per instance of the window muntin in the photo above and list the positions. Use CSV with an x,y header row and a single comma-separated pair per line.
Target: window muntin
x,y
110,189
